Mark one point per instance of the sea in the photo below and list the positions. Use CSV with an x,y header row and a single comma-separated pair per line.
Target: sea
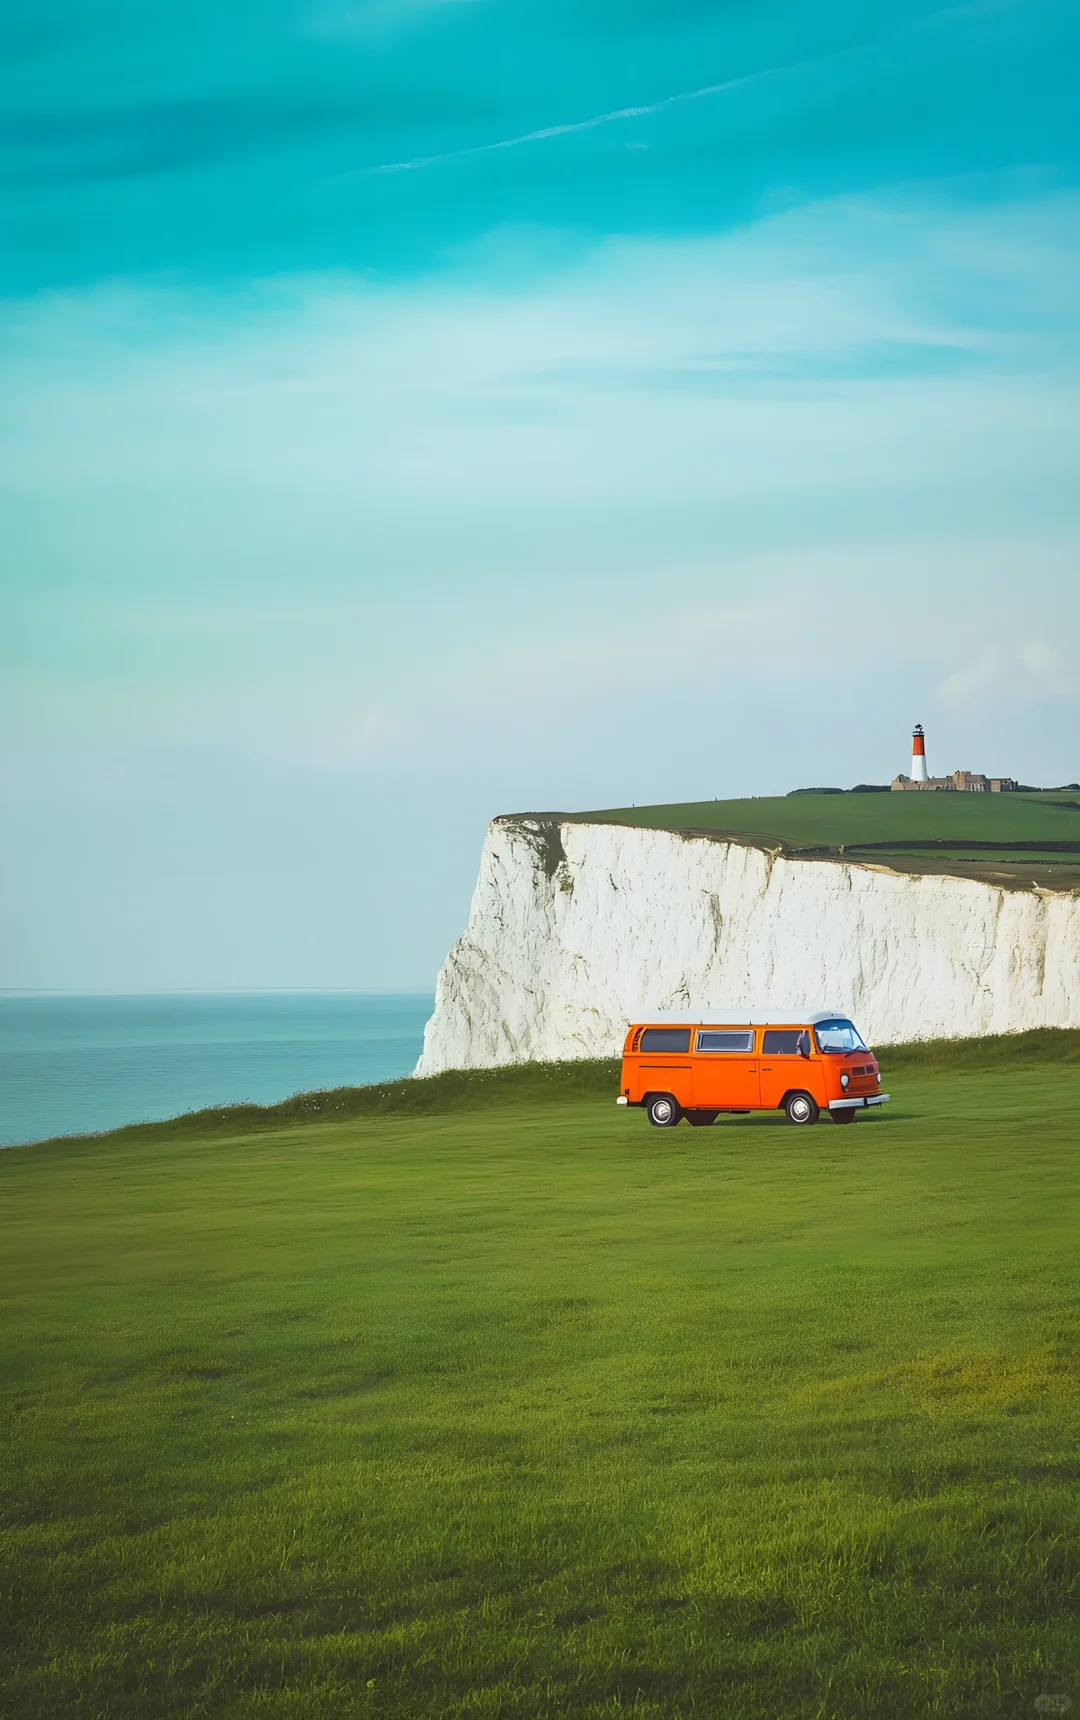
x,y
74,1065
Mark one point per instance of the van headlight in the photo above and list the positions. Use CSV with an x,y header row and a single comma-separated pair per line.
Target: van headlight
x,y
844,1079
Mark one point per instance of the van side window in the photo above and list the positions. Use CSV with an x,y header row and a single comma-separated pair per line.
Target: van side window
x,y
787,1042
713,1041
665,1039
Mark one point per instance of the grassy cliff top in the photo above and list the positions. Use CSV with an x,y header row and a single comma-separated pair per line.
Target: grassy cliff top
x,y
1010,839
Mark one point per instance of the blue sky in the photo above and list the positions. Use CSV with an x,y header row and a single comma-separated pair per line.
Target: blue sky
x,y
411,412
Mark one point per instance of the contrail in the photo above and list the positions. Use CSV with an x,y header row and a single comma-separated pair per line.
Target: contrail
x,y
945,12
562,130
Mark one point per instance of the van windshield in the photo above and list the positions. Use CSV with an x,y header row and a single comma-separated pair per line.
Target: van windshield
x,y
838,1035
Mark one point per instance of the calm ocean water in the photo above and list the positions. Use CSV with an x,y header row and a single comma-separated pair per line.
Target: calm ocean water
x,y
71,1065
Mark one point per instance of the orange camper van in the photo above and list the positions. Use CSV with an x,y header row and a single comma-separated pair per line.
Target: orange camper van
x,y
677,1066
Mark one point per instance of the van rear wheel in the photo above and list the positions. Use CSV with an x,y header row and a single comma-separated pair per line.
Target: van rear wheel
x,y
801,1108
662,1111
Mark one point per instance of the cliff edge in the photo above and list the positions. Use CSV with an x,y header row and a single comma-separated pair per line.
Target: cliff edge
x,y
575,927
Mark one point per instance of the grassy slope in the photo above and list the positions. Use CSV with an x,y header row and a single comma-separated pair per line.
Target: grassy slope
x,y
807,820
506,1404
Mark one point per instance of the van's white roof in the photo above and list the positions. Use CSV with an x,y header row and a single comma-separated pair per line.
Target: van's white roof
x,y
741,1018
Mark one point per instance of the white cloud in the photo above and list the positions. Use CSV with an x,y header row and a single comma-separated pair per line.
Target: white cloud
x,y
812,350
1049,670
1003,677
334,524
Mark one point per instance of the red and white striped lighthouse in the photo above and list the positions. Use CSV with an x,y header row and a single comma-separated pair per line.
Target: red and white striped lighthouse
x,y
918,754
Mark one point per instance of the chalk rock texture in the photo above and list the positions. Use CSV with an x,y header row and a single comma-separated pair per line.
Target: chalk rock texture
x,y
577,929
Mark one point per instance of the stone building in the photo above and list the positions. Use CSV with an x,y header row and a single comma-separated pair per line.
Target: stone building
x,y
962,781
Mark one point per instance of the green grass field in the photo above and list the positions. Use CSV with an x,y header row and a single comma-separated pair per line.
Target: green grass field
x,y
830,819
1038,835
479,1397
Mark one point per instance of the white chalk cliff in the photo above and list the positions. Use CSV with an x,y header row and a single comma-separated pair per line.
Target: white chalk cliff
x,y
576,929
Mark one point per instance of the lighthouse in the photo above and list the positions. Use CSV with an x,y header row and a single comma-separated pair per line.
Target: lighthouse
x,y
964,781
918,754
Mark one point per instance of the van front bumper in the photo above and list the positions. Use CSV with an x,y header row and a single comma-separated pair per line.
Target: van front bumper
x,y
851,1104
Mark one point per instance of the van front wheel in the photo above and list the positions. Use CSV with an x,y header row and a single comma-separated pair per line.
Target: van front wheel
x,y
801,1108
847,1115
663,1112
701,1119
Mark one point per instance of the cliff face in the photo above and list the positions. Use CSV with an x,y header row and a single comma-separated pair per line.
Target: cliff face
x,y
575,929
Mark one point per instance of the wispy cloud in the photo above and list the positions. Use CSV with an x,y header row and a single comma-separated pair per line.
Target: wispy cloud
x,y
1050,671
680,98
544,133
1000,676
182,144
806,357
448,463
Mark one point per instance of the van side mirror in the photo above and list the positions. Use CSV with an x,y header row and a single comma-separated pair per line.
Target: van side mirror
x,y
804,1045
